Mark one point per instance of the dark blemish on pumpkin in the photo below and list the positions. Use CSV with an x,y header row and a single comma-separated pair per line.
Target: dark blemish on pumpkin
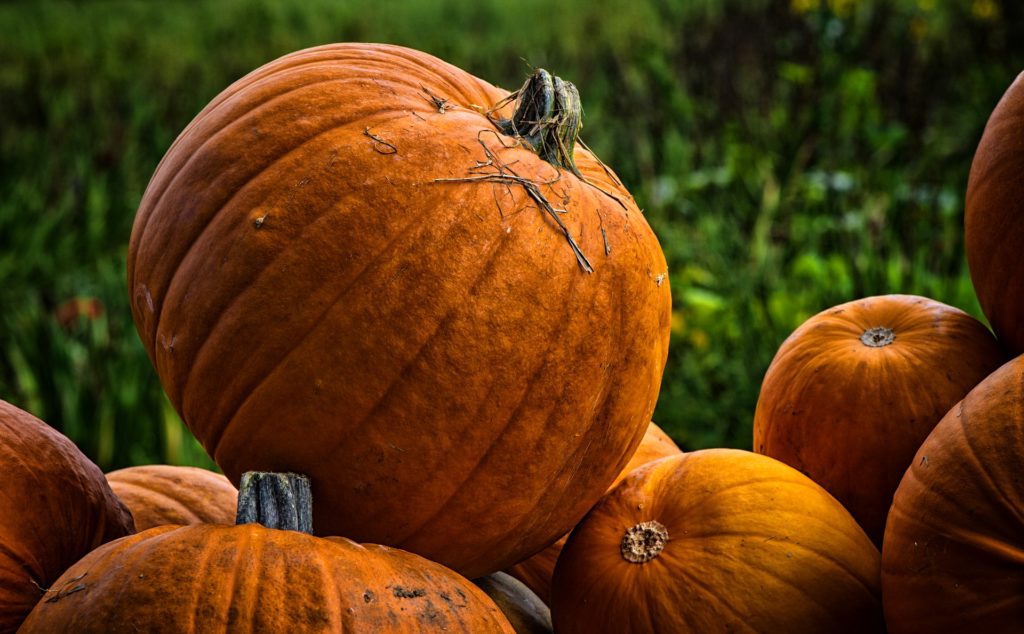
x,y
379,144
924,461
402,593
65,591
607,247
444,596
442,105
417,115
367,596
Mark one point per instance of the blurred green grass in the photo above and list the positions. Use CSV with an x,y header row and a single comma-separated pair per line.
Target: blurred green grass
x,y
790,156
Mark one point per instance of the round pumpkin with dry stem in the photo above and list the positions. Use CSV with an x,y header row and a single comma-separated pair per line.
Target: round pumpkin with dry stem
x,y
536,571
718,540
854,391
265,574
55,507
953,557
363,264
164,494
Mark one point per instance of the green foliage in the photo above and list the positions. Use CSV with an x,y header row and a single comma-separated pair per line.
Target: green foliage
x,y
791,156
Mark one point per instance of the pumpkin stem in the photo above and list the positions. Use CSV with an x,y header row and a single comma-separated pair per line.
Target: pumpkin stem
x,y
878,337
643,542
548,117
276,500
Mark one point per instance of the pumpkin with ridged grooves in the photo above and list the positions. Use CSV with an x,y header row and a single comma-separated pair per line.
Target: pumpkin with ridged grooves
x,y
166,494
953,556
363,264
994,218
265,574
854,391
536,571
55,507
525,612
718,540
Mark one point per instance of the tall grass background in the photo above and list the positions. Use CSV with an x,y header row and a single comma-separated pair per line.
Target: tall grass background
x,y
789,155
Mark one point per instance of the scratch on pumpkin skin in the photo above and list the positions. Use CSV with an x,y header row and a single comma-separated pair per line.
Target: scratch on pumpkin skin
x,y
379,144
64,591
442,105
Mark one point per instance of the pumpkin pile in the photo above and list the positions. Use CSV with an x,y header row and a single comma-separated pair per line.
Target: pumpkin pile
x,y
370,279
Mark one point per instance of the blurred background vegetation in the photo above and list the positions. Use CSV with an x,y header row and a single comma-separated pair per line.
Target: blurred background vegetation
x,y
791,155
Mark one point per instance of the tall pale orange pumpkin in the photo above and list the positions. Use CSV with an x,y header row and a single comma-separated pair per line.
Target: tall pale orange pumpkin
x,y
994,218
854,391
159,494
953,556
718,540
346,267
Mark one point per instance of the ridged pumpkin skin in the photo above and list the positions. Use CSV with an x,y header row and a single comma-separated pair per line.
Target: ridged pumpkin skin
x,y
165,494
55,507
752,545
994,218
429,352
536,571
953,559
525,612
248,578
846,406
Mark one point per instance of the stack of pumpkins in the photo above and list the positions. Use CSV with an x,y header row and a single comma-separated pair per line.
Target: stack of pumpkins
x,y
368,278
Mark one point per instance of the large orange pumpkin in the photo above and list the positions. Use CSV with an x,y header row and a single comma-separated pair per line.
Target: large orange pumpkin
x,y
853,392
343,267
994,218
719,540
55,507
166,494
953,557
536,571
256,578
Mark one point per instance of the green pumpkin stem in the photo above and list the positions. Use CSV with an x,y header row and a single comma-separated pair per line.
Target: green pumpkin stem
x,y
276,500
548,117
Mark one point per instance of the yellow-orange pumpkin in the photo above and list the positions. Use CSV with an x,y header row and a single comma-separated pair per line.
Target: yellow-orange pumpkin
x,y
536,571
55,507
719,540
994,218
953,556
319,295
854,391
165,494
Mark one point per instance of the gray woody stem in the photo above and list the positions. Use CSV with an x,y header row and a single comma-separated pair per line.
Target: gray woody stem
x,y
276,500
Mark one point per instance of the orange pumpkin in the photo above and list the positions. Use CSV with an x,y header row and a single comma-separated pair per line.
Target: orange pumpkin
x,y
536,571
994,219
853,392
55,507
525,612
253,578
953,558
165,494
719,540
344,268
